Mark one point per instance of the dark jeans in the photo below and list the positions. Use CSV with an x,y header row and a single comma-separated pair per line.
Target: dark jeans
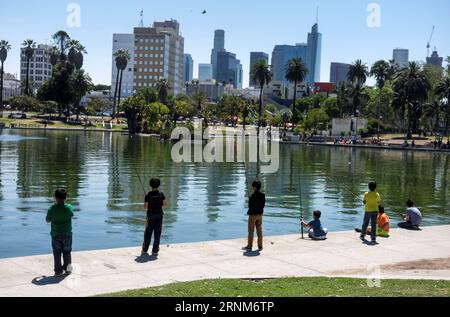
x,y
62,245
372,218
408,226
154,227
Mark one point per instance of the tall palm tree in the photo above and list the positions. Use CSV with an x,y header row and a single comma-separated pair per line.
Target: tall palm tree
x,y
245,109
412,87
122,57
61,37
358,72
163,88
262,76
76,51
54,57
381,71
447,60
4,48
443,91
29,46
296,72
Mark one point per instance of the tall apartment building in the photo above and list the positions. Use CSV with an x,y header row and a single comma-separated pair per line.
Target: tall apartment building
x,y
126,42
188,68
339,73
40,67
156,52
401,57
255,57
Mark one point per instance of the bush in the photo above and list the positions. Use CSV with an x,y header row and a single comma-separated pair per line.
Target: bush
x,y
25,103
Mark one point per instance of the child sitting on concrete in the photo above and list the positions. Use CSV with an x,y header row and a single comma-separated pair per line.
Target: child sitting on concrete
x,y
316,232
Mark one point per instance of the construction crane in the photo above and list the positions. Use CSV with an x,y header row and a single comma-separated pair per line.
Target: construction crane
x,y
429,42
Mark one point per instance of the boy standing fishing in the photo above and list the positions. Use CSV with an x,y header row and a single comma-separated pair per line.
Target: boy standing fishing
x,y
60,216
372,201
256,205
154,203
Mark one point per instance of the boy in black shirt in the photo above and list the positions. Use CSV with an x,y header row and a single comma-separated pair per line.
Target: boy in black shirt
x,y
154,203
256,205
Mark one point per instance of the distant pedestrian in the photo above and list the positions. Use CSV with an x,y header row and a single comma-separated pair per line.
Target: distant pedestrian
x,y
60,216
256,204
413,217
372,201
154,203
316,232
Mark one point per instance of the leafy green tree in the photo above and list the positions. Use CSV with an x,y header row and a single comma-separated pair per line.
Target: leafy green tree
x,y
29,46
443,91
153,114
163,87
24,103
200,101
357,75
296,72
81,84
330,106
133,107
54,57
96,105
316,119
4,49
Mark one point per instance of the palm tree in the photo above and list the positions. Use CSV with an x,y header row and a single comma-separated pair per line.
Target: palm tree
x,y
4,48
443,91
296,72
262,76
447,60
76,51
412,88
29,46
200,101
357,75
163,87
122,57
61,37
381,71
245,108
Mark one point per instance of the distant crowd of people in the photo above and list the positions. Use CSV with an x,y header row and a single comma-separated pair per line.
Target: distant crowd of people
x,y
376,222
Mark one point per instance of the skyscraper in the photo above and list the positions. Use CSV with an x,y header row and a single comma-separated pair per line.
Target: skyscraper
x,y
205,71
339,73
281,55
314,56
401,57
219,46
229,69
188,68
255,57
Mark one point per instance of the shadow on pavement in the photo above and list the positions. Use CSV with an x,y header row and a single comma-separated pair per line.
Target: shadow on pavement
x,y
49,280
252,254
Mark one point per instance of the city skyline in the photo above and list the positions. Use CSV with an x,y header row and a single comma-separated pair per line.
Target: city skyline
x,y
346,35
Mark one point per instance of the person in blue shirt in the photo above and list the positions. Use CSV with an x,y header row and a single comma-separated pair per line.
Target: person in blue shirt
x,y
316,232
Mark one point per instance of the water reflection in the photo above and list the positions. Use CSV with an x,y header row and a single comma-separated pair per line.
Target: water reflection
x,y
206,201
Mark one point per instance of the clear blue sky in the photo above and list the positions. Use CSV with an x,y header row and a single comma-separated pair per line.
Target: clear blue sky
x,y
250,25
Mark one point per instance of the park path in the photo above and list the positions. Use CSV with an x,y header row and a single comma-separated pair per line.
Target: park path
x,y
411,255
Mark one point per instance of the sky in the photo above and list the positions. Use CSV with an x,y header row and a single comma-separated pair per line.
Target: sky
x,y
250,25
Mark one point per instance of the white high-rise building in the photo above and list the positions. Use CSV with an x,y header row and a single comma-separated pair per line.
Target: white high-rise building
x,y
40,67
401,57
205,71
126,42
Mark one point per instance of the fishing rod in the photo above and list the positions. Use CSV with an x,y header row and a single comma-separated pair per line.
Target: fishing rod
x,y
301,202
140,180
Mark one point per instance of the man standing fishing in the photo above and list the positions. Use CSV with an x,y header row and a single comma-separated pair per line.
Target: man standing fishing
x,y
154,203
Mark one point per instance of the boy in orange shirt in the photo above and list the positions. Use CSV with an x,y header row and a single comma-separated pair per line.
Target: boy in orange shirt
x,y
383,224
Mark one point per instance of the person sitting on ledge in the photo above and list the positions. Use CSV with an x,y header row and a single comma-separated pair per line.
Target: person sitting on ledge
x,y
316,231
413,217
383,224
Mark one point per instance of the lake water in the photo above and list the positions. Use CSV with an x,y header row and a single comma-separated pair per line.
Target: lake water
x,y
206,201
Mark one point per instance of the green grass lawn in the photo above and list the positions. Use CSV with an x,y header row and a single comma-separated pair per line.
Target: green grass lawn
x,y
294,287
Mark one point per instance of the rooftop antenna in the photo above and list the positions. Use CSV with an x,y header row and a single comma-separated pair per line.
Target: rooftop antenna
x,y
317,15
429,41
141,24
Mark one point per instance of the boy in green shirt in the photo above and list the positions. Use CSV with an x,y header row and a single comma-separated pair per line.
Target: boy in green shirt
x,y
60,216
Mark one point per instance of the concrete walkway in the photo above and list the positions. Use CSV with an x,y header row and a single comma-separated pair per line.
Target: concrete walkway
x,y
343,254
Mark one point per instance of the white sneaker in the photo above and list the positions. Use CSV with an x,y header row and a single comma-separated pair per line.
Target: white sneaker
x,y
69,269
